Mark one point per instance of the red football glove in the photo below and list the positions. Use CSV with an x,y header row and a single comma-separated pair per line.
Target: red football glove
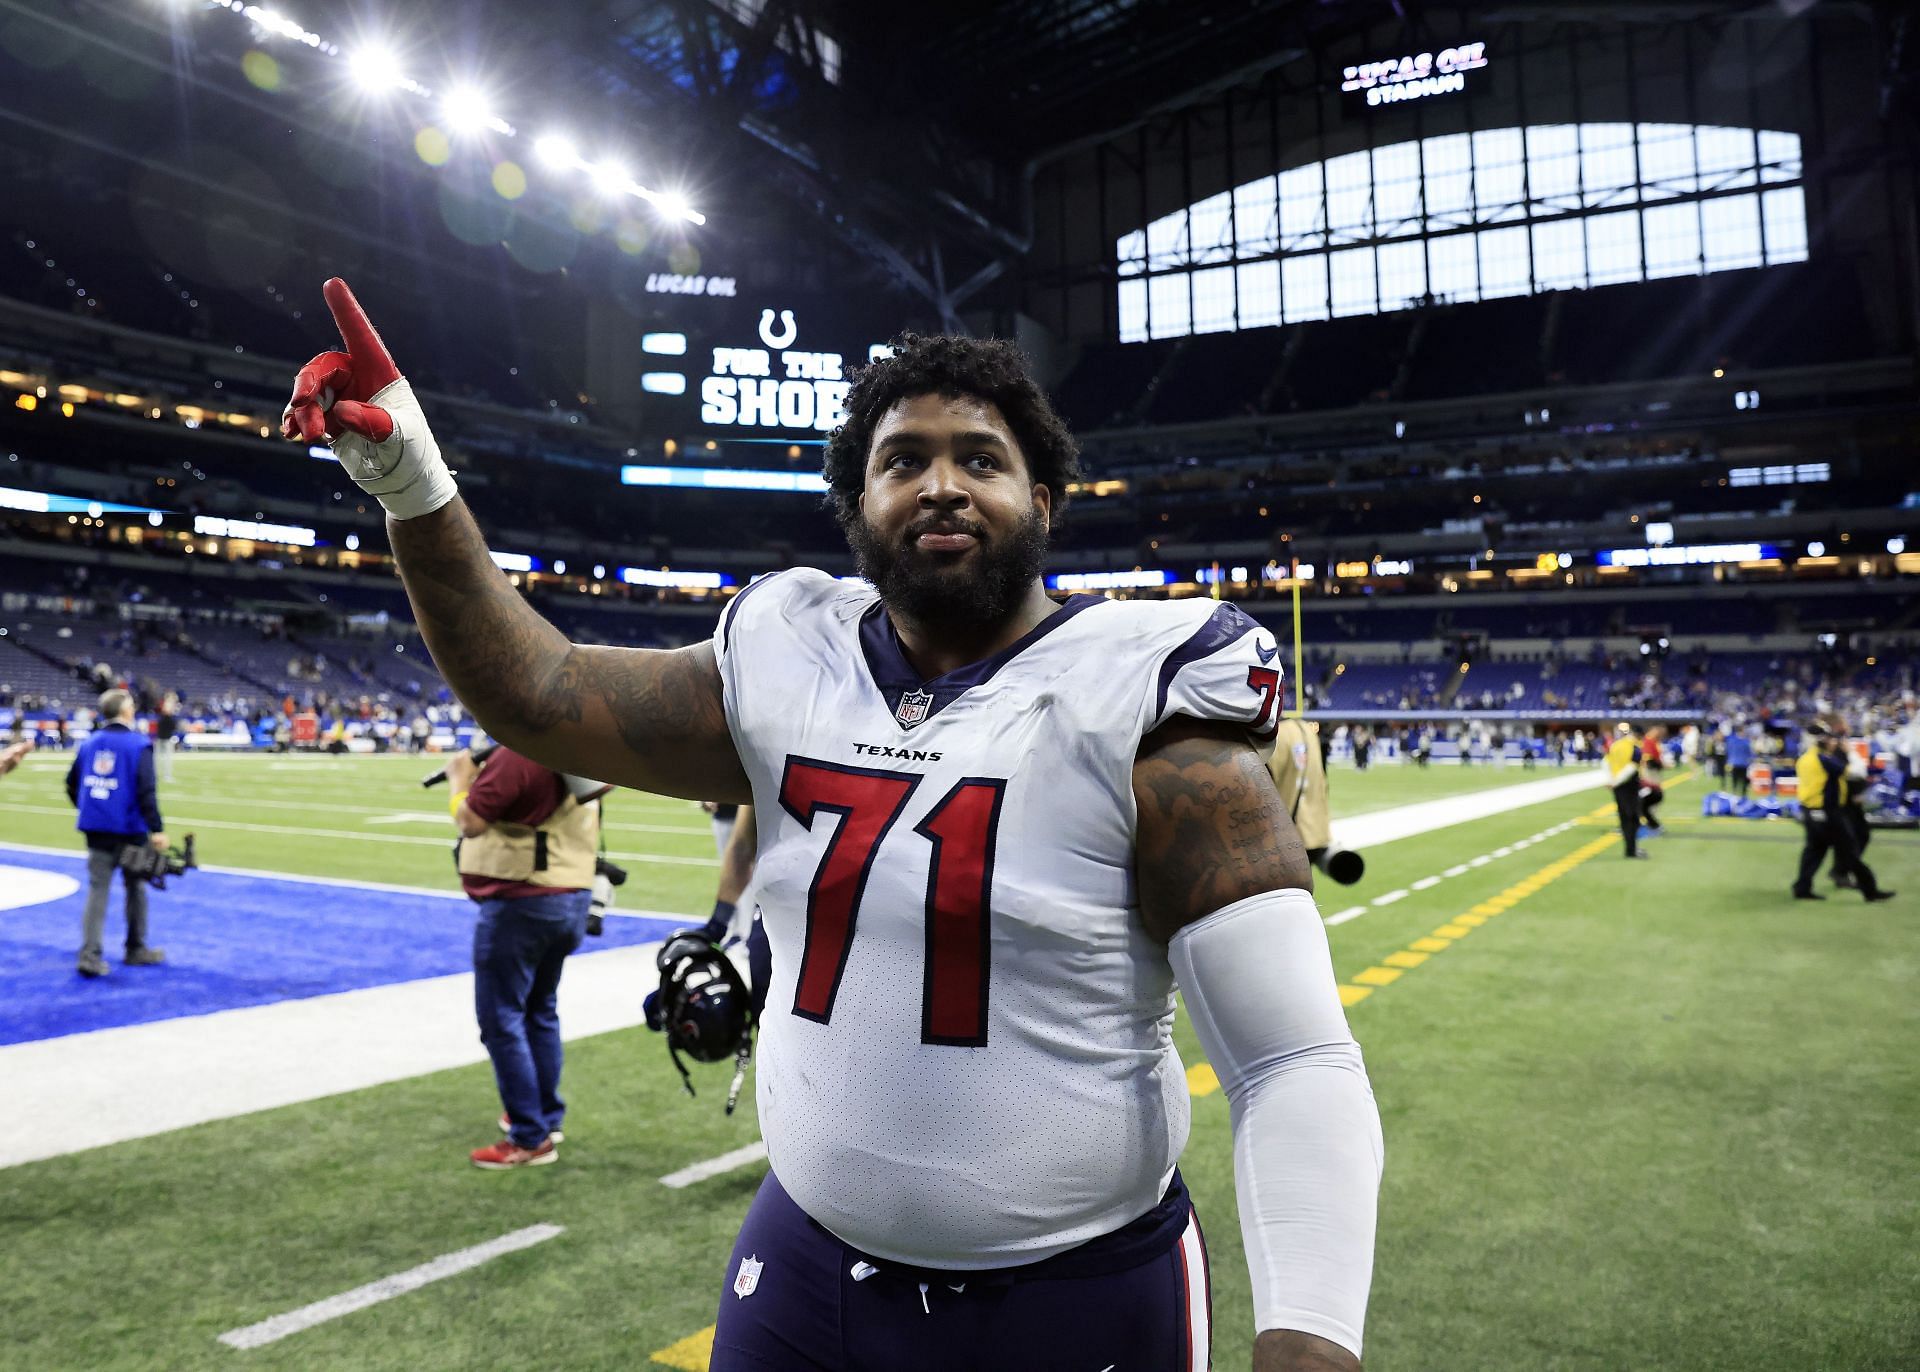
x,y
365,410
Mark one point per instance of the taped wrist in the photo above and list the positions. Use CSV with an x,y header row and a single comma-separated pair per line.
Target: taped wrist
x,y
717,925
1258,983
404,471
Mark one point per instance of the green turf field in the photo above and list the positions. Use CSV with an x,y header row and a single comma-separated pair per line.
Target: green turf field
x,y
1638,1116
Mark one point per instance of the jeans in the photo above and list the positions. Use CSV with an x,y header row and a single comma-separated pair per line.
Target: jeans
x,y
519,948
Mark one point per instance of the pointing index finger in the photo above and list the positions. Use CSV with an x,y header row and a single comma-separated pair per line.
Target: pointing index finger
x,y
373,364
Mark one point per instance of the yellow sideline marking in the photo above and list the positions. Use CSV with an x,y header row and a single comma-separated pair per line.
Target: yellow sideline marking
x,y
1396,965
691,1354
1202,1080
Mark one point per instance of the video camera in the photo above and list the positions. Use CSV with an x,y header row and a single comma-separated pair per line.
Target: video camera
x,y
155,865
606,876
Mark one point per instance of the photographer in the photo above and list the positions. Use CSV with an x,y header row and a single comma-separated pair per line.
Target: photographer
x,y
528,839
111,783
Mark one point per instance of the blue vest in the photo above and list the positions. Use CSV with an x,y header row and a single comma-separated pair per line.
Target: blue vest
x,y
110,783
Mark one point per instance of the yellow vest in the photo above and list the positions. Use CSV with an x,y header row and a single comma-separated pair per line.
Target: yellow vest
x,y
559,853
1620,757
1302,778
1812,776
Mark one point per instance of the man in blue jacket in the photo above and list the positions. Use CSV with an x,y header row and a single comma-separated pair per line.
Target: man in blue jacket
x,y
111,781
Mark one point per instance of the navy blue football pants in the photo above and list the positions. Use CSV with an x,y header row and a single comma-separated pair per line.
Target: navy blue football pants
x,y
799,1300
519,948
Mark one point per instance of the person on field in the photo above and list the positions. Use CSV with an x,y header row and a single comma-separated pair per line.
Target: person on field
x,y
111,784
1623,776
1821,775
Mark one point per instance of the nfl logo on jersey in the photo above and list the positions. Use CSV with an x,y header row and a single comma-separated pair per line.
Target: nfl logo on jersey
x,y
913,707
747,1278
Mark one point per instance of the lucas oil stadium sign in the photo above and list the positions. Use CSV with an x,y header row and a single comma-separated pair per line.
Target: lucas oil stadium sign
x,y
1415,75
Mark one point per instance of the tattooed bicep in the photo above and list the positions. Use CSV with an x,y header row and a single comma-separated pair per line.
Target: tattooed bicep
x,y
1212,828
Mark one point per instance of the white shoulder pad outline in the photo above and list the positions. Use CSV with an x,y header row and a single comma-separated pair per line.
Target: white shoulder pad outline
x,y
1228,669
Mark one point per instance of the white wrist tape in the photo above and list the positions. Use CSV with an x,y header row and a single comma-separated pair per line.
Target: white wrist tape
x,y
1258,982
406,472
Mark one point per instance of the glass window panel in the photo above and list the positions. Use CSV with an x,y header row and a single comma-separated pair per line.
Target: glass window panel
x,y
1133,311
1396,190
1449,180
1167,242
1353,285
1726,157
1132,248
1211,228
1613,248
1453,267
1553,168
1403,274
1253,213
1730,232
1349,197
1259,284
1503,262
1559,256
1673,240
1302,215
1213,300
1786,216
1666,160
1498,167
1606,163
1303,287
1171,313
1779,156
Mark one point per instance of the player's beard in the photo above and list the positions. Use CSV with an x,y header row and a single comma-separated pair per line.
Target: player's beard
x,y
931,589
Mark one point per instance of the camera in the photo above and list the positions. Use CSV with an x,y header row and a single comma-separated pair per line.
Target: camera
x,y
155,865
606,876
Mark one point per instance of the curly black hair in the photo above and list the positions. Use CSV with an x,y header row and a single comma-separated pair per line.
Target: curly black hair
x,y
942,364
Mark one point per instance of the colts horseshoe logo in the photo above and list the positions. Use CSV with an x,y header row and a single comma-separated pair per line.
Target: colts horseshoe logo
x,y
790,330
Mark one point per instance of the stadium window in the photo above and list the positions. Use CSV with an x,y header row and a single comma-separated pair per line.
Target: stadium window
x,y
1673,240
1606,165
1169,306
1530,180
1553,168
1351,271
1449,186
1403,274
1349,199
1499,175
1213,300
1256,225
1210,228
1730,232
1259,287
1133,311
1785,213
1559,255
1303,288
1613,248
1453,267
1504,269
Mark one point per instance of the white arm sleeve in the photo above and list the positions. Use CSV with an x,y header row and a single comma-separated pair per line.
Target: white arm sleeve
x,y
1307,1153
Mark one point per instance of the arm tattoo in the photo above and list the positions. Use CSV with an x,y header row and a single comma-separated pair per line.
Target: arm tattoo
x,y
1212,828
644,718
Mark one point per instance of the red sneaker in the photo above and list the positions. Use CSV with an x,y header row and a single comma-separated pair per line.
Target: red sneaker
x,y
506,1127
499,1157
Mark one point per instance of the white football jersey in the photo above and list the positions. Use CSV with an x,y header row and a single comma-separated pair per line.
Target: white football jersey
x,y
967,1056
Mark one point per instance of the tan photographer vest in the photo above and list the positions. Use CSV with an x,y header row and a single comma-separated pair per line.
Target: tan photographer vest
x,y
559,852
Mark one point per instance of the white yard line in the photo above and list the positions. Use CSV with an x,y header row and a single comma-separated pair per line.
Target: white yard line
x,y
333,1307
713,1167
1351,912
1390,897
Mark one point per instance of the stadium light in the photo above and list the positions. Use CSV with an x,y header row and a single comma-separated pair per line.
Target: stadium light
x,y
1896,546
609,177
672,204
556,151
468,110
375,69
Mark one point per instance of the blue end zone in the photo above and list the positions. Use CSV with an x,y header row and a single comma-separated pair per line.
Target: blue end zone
x,y
233,941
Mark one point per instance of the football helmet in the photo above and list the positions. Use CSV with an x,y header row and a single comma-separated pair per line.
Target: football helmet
x,y
702,1006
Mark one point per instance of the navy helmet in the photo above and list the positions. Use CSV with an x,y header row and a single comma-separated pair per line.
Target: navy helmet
x,y
702,1005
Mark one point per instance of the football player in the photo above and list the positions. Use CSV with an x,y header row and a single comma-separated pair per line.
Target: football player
x,y
996,832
